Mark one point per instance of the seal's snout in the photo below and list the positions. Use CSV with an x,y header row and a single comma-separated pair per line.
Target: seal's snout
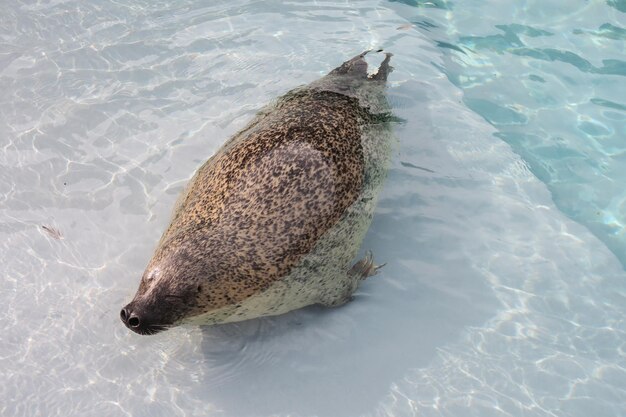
x,y
129,318
138,322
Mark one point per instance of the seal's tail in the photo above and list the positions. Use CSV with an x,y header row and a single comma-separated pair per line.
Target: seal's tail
x,y
357,67
384,69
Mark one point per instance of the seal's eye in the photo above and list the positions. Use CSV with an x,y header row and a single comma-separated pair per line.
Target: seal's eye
x,y
152,275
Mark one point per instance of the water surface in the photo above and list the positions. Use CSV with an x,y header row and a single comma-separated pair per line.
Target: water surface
x,y
501,221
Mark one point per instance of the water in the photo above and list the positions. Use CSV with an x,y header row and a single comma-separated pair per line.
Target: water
x,y
501,221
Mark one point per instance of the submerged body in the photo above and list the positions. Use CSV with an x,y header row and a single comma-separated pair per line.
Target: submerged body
x,y
273,220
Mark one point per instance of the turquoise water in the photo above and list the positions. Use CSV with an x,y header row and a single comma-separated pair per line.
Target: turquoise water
x,y
501,221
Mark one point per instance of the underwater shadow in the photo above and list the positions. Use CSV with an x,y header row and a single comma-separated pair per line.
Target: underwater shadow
x,y
343,361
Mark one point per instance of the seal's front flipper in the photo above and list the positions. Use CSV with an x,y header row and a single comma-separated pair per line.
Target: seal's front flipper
x,y
365,267
350,282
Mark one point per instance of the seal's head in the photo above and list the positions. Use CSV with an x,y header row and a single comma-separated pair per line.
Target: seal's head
x,y
170,290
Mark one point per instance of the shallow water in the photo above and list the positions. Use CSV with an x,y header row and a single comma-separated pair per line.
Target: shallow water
x,y
501,221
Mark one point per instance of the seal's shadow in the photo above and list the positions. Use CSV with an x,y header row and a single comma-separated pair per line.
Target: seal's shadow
x,y
342,361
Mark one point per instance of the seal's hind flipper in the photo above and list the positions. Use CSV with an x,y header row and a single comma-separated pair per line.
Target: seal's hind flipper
x,y
384,69
355,66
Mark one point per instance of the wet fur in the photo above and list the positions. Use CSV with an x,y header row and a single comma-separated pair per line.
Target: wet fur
x,y
272,221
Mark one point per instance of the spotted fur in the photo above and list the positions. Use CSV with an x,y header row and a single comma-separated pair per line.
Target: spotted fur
x,y
272,221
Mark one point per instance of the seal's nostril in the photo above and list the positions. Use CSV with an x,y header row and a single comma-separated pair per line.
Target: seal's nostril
x,y
134,321
124,315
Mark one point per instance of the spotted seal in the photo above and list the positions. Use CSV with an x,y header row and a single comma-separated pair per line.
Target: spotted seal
x,y
272,221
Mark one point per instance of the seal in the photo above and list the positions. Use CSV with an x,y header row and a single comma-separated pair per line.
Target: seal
x,y
273,220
